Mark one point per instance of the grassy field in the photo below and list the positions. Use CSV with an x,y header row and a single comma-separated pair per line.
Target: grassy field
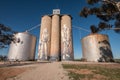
x,y
92,72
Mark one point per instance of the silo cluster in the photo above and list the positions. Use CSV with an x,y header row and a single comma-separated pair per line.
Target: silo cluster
x,y
55,41
23,48
96,48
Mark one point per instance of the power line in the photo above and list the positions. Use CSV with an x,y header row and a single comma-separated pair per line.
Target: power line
x,y
81,29
34,27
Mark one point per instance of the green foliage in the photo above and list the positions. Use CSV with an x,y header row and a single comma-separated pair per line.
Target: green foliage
x,y
108,10
92,1
117,60
6,36
3,58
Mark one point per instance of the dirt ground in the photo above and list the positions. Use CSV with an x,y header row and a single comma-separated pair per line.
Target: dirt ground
x,y
6,73
12,70
37,71
45,71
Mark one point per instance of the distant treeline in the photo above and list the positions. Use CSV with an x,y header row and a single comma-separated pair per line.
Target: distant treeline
x,y
84,60
117,60
3,58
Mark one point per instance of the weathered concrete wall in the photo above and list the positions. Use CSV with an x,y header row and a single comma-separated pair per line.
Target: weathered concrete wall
x,y
24,48
55,38
66,38
45,38
96,47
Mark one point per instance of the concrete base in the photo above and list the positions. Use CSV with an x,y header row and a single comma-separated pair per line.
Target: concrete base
x,y
54,58
67,59
44,58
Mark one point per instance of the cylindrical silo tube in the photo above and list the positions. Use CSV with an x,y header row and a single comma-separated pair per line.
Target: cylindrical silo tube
x,y
66,38
23,48
96,47
45,38
55,38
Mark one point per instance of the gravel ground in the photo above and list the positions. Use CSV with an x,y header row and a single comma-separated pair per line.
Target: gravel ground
x,y
47,71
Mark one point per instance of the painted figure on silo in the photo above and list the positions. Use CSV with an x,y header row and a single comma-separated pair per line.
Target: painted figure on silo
x,y
43,49
105,51
66,38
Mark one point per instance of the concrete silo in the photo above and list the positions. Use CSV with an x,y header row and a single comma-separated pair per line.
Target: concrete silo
x,y
66,38
23,48
96,47
55,38
45,38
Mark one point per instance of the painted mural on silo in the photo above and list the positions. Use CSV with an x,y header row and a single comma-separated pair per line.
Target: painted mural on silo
x,y
96,48
45,37
66,38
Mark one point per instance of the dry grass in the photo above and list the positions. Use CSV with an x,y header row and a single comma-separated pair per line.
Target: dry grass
x,y
93,71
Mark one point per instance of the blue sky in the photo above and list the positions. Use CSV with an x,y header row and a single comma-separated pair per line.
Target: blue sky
x,y
21,15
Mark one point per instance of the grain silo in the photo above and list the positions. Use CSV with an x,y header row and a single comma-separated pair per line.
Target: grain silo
x,y
96,47
45,38
66,38
23,48
55,38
